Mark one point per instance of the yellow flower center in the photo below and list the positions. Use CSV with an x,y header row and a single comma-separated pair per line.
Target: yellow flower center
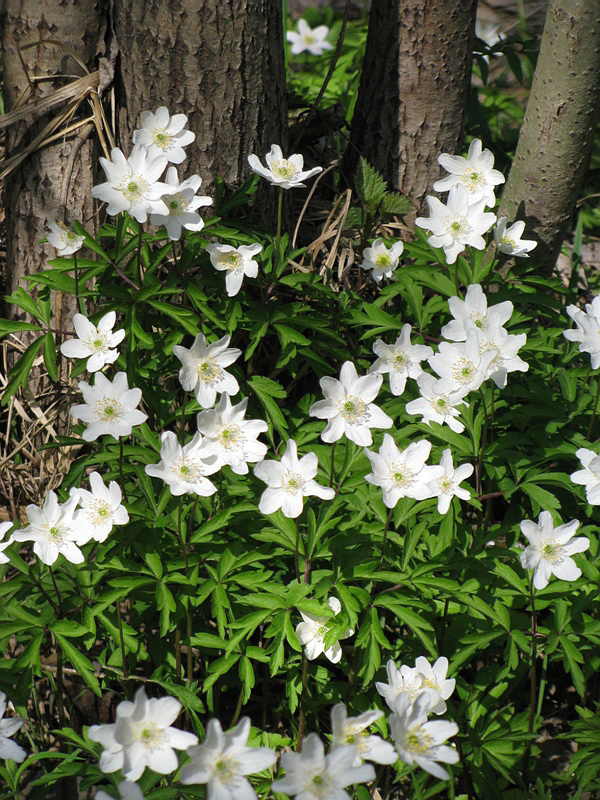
x,y
284,170
133,188
417,741
354,410
209,371
162,138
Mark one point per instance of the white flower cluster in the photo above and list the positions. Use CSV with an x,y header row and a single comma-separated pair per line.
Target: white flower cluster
x,y
143,736
480,349
462,221
56,528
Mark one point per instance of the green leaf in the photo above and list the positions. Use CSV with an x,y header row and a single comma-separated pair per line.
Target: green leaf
x,y
395,203
14,326
50,356
370,186
19,374
82,664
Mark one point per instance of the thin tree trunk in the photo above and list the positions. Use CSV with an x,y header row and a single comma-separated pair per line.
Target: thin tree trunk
x,y
558,131
60,172
220,63
413,92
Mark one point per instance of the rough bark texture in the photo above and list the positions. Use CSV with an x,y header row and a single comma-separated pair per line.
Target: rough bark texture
x,y
221,63
34,189
559,126
412,97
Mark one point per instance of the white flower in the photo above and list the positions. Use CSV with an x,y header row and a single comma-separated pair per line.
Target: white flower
x,y
508,240
142,737
447,485
312,631
435,680
203,370
164,135
402,473
587,332
462,364
101,508
184,469
504,347
312,775
550,549
405,680
223,760
236,262
489,32
473,308
438,402
232,438
311,39
457,224
53,530
382,260
133,184
182,206
475,173
353,732
284,172
98,343
109,408
589,476
127,791
290,481
4,528
8,727
66,241
401,360
349,408
418,741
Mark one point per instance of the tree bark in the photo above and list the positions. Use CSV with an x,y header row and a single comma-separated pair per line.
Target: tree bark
x,y
220,63
559,126
62,171
413,92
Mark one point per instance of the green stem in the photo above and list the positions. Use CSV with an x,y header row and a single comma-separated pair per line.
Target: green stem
x,y
78,300
332,467
416,784
238,708
178,653
297,552
591,427
60,689
532,682
122,547
279,222
139,255
302,719
385,536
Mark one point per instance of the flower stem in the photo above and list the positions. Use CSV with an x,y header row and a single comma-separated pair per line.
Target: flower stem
x,y
385,535
302,719
78,300
278,236
178,653
139,254
332,467
593,419
60,689
416,784
297,551
532,682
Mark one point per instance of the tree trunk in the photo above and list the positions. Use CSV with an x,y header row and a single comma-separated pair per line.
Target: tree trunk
x,y
413,92
220,63
559,127
61,172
